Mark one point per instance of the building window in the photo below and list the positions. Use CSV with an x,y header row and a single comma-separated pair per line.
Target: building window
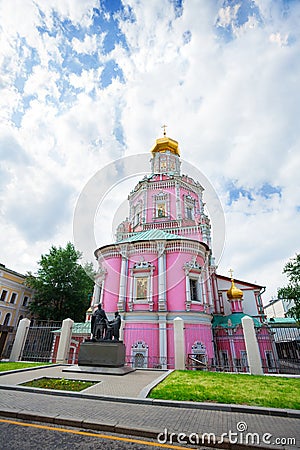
x,y
7,319
20,318
13,297
3,295
224,359
194,290
189,213
25,301
141,288
189,206
137,214
161,205
270,360
244,361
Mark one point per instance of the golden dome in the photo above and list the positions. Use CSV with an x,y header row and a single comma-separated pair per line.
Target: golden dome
x,y
166,144
234,293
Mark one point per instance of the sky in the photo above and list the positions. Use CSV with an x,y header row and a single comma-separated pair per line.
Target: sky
x,y
85,85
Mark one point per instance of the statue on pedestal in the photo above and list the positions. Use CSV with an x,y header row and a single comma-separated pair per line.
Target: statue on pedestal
x,y
104,329
113,328
99,323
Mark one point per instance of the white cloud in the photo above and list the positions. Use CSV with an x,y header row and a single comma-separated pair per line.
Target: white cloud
x,y
233,105
89,44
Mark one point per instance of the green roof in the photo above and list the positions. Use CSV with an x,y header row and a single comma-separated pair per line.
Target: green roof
x,y
235,320
282,321
79,328
152,235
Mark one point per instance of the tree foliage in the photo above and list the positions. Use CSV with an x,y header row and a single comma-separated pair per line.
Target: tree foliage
x,y
292,290
62,288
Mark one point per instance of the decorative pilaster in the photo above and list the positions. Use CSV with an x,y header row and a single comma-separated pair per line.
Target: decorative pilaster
x,y
123,278
178,203
162,300
162,320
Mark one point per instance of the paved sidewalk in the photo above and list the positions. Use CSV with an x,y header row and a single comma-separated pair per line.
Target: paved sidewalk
x,y
119,407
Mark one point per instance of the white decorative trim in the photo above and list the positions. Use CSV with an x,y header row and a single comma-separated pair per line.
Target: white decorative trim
x,y
140,347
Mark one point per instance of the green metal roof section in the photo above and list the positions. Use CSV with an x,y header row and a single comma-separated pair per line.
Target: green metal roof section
x,y
235,320
79,328
282,320
152,235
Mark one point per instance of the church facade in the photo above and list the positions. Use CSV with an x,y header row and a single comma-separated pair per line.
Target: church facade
x,y
161,267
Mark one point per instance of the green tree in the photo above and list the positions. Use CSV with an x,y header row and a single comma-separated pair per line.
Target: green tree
x,y
292,290
61,285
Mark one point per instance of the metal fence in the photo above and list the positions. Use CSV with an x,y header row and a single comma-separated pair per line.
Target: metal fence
x,y
143,349
8,344
287,343
39,342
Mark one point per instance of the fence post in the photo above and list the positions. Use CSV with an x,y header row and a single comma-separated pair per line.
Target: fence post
x,y
179,344
20,339
252,349
64,341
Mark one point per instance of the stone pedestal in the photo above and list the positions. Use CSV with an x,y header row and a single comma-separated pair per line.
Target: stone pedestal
x,y
102,354
103,358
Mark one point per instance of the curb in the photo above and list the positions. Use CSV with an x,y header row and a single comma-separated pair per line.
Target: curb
x,y
289,413
27,369
118,428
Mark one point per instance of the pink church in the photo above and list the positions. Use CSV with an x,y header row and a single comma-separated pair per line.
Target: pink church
x,y
161,267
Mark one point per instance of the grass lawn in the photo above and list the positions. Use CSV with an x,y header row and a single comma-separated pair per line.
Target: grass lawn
x,y
4,366
60,384
273,392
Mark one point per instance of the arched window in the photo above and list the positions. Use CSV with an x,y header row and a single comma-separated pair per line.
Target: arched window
x,y
7,319
20,318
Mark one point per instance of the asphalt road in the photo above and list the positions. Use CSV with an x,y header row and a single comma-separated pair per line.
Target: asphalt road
x,y
21,435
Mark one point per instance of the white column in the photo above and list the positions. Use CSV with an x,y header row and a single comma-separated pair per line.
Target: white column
x,y
210,302
64,342
187,291
179,351
163,339
96,299
178,204
161,277
20,339
122,289
252,349
122,328
202,281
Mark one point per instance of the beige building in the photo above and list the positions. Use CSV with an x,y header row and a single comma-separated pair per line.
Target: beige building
x,y
14,301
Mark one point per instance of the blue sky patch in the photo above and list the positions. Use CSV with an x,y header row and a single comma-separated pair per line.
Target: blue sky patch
x,y
266,191
110,72
247,9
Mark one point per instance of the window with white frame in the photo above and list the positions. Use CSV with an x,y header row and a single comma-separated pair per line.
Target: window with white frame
x,y
161,205
7,319
13,297
3,295
25,300
189,206
270,360
141,283
137,219
224,359
244,360
194,289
